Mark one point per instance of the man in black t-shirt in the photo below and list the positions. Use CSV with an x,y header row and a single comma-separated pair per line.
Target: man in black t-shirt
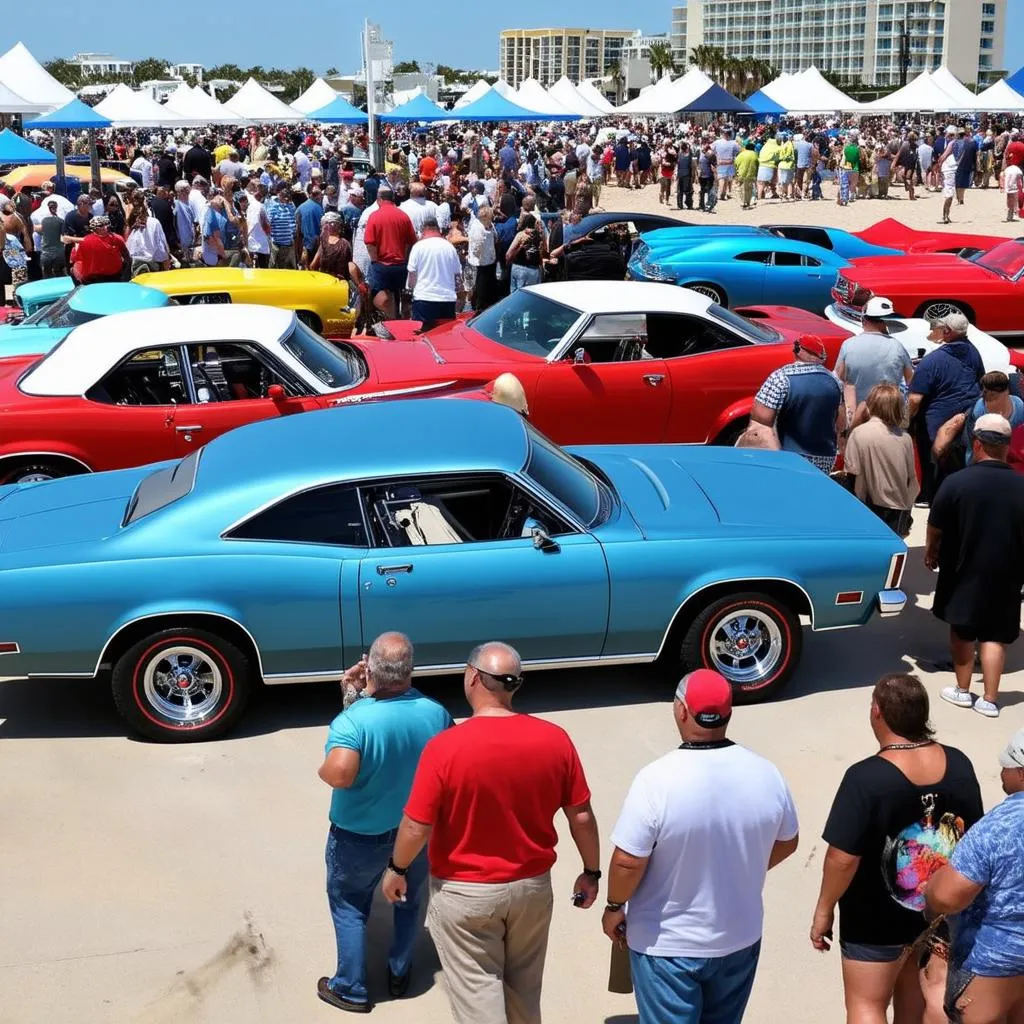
x,y
976,541
76,224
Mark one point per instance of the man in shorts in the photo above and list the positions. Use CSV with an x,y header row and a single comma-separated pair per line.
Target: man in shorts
x,y
976,541
726,149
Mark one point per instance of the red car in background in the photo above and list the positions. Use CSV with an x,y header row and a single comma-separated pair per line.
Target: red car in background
x,y
987,287
895,233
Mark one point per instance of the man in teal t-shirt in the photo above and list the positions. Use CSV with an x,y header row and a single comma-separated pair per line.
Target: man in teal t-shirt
x,y
372,751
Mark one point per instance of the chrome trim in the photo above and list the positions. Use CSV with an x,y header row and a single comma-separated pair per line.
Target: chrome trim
x,y
438,358
54,455
163,615
390,570
849,604
288,678
366,396
571,335
544,664
717,583
17,649
890,602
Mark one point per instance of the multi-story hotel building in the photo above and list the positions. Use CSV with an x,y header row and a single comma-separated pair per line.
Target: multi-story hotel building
x,y
548,53
858,39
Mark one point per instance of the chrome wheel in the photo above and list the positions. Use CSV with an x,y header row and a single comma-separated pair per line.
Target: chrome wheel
x,y
745,645
36,477
937,310
182,684
709,290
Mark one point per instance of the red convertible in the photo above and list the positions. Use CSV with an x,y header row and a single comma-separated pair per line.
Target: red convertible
x,y
987,287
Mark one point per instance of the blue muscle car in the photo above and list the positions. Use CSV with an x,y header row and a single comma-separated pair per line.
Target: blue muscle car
x,y
50,324
280,550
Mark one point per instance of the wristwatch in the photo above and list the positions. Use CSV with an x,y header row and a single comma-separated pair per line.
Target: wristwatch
x,y
392,866
613,908
594,873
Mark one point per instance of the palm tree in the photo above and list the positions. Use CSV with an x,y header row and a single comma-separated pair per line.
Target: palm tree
x,y
613,70
661,58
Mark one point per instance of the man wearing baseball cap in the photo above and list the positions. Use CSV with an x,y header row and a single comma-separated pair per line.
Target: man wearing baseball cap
x,y
983,885
688,869
976,541
803,402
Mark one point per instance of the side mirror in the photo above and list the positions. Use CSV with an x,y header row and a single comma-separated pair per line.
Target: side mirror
x,y
276,393
541,539
579,357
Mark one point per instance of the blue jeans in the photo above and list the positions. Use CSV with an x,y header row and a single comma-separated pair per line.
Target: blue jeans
x,y
522,276
355,864
690,990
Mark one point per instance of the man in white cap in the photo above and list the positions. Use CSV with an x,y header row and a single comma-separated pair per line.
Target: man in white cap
x,y
983,886
976,541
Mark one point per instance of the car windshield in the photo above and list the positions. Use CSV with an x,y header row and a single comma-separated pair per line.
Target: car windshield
x,y
568,480
527,322
60,314
1006,260
759,333
160,489
336,366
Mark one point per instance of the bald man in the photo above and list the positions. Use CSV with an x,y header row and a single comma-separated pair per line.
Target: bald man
x,y
371,755
485,795
419,208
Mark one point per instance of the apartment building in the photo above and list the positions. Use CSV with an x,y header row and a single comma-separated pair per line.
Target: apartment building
x,y
859,39
101,64
548,53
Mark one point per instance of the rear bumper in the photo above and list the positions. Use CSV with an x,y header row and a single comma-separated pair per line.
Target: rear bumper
x,y
890,602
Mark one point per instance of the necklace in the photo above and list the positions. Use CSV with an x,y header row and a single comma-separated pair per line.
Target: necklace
x,y
906,746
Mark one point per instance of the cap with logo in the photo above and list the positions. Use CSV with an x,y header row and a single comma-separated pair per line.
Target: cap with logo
x,y
1013,755
878,308
707,696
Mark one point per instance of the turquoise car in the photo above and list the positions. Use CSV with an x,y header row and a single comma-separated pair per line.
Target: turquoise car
x,y
54,316
277,552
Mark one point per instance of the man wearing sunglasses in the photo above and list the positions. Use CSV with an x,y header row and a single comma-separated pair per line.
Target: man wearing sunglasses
x,y
485,794
983,885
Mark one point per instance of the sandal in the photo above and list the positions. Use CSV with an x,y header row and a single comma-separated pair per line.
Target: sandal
x,y
328,995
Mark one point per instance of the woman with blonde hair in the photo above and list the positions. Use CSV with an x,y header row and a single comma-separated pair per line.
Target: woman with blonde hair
x,y
880,458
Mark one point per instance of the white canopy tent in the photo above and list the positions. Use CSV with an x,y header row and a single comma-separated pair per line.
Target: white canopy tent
x,y
531,95
253,103
918,95
589,92
1001,99
503,89
195,107
687,88
129,109
564,92
475,91
12,103
654,100
316,97
949,83
26,78
809,92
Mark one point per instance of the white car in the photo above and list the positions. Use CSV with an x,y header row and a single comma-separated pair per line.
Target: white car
x,y
913,333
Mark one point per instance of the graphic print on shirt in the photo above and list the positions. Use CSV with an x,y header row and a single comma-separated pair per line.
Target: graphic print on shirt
x,y
917,852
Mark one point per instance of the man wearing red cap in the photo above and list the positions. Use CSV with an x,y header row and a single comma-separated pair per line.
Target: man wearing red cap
x,y
698,832
803,401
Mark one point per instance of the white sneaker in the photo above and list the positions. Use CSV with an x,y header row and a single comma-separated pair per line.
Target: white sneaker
x,y
986,708
961,698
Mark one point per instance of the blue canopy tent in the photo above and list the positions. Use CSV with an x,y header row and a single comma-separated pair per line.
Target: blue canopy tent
x,y
419,108
492,106
16,150
339,111
764,106
716,100
74,115
1016,81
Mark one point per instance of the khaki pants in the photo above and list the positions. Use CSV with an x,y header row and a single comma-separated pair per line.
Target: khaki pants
x,y
282,257
747,186
492,939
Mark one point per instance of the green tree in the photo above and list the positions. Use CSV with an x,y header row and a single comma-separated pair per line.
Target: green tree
x,y
330,72
150,68
407,67
65,72
613,70
232,71
661,58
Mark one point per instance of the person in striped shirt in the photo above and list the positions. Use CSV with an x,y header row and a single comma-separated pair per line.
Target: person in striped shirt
x,y
281,213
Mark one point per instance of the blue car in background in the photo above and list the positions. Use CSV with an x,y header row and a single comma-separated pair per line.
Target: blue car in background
x,y
50,323
34,295
277,552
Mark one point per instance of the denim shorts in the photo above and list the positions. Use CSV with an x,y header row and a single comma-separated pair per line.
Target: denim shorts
x,y
868,953
387,278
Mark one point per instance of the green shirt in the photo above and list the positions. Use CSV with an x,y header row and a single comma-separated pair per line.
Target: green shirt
x,y
746,164
851,157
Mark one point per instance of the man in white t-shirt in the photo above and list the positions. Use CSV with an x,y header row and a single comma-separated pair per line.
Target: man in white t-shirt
x,y
698,832
258,227
435,276
419,208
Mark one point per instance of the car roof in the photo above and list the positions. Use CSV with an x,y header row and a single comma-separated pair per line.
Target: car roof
x,y
115,297
359,442
90,351
623,296
198,279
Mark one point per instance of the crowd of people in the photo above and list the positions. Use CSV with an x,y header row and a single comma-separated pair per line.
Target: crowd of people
x,y
928,886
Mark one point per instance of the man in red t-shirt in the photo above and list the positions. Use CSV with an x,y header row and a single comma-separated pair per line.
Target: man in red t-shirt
x,y
485,795
428,167
100,256
389,237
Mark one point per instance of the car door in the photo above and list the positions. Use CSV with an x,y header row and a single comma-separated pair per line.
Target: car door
x,y
798,280
232,383
743,277
445,570
129,416
606,388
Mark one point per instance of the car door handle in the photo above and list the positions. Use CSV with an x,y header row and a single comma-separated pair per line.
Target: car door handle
x,y
188,430
654,379
390,570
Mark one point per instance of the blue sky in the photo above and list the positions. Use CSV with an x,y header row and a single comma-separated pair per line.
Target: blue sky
x,y
420,30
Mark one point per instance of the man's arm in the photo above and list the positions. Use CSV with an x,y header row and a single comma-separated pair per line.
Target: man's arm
x,y
412,837
762,414
913,405
583,829
625,872
949,892
933,541
782,849
340,767
837,874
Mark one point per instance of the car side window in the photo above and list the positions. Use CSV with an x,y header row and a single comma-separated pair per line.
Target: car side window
x,y
811,235
203,299
810,261
612,338
232,371
326,515
152,377
454,510
671,335
787,259
754,257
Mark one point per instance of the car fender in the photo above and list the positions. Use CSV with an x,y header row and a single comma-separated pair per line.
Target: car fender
x,y
43,448
739,410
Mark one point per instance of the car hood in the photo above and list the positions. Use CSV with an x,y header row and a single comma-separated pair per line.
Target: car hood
x,y
29,340
673,488
59,513
673,239
911,271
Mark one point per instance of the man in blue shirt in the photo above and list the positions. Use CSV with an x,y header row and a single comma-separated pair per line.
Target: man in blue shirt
x,y
280,212
307,218
372,751
983,885
509,156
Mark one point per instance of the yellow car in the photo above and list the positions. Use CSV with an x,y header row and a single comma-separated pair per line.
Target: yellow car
x,y
320,300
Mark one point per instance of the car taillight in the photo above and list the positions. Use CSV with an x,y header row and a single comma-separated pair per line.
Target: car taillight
x,y
896,566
